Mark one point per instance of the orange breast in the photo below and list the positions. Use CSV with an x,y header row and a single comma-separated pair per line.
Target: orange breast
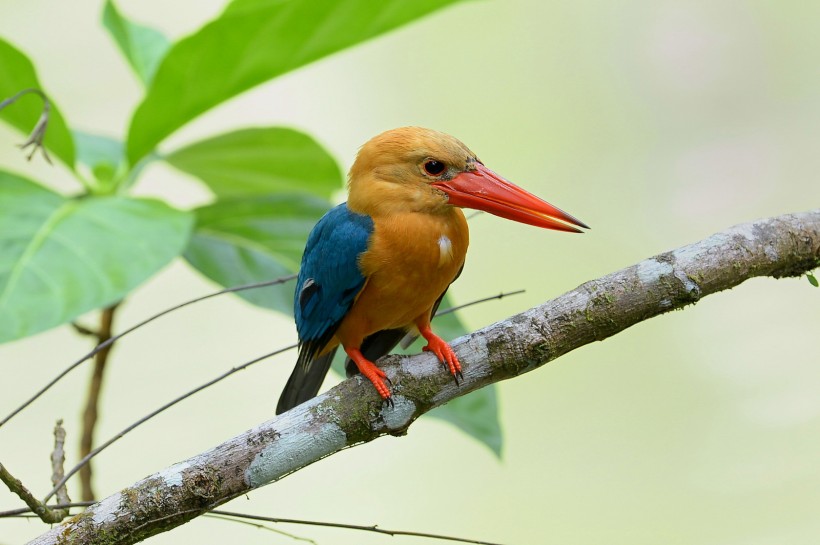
x,y
411,259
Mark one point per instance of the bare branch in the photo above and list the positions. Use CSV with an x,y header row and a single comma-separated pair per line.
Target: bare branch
x,y
57,461
16,486
92,400
82,463
373,528
239,520
352,413
87,456
23,511
49,515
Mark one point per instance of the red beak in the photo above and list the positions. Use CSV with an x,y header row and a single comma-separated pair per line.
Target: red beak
x,y
483,189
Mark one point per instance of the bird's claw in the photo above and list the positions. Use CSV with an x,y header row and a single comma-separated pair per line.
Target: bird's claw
x,y
381,387
388,401
446,355
376,376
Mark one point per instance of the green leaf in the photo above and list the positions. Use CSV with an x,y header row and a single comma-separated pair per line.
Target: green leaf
x,y
243,241
476,414
104,156
252,42
143,47
259,162
62,257
812,280
16,74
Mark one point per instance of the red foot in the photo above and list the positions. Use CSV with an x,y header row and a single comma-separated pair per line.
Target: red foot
x,y
369,370
442,350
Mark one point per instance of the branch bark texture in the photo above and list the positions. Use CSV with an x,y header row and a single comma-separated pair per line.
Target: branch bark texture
x,y
352,413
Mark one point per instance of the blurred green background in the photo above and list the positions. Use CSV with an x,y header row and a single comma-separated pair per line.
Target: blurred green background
x,y
656,122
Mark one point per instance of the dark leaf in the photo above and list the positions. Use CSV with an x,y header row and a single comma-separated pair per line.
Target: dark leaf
x,y
243,241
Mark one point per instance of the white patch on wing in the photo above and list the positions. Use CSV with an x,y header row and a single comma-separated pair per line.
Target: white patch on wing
x,y
445,250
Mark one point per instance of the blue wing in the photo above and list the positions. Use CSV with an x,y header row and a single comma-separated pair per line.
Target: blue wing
x,y
328,283
329,278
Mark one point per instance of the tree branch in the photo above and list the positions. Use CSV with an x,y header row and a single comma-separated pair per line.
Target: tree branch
x,y
57,463
90,413
352,412
47,514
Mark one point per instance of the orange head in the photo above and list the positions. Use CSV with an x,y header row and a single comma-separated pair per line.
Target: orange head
x,y
418,169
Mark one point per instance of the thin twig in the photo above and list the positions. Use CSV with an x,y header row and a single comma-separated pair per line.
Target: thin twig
x,y
410,338
38,133
154,413
117,337
260,526
238,518
82,330
373,528
92,400
49,515
477,301
57,461
22,511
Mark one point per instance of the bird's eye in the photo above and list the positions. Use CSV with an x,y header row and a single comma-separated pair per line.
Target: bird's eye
x,y
433,167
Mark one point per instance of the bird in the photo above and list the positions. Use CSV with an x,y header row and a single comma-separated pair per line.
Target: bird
x,y
376,267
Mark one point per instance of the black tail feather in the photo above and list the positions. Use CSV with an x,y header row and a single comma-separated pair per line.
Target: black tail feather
x,y
305,380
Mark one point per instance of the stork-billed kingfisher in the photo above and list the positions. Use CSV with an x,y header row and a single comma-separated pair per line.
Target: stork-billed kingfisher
x,y
376,267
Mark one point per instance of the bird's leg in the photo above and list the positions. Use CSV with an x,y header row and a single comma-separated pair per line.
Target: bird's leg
x,y
369,370
441,349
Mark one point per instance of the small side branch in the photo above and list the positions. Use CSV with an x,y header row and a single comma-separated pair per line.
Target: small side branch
x,y
352,412
46,514
373,528
58,465
38,133
16,486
